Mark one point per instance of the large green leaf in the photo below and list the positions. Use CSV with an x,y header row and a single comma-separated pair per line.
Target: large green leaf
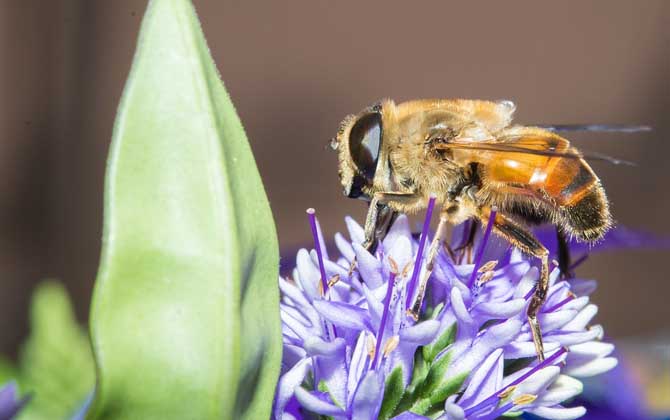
x,y
56,366
185,317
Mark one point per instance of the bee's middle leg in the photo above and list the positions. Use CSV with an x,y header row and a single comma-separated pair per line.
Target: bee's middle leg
x,y
527,243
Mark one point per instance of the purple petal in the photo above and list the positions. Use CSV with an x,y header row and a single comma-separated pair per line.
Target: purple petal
x,y
486,380
308,274
400,229
500,310
564,388
538,382
408,415
359,360
343,315
555,320
495,337
569,338
344,247
595,367
583,318
313,403
288,383
582,287
368,398
356,232
369,267
558,412
522,349
421,333
315,346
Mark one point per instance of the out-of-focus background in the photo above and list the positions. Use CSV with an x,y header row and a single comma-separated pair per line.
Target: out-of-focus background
x,y
294,70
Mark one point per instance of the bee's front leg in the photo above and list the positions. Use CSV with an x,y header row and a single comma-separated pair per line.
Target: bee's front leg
x,y
527,243
379,219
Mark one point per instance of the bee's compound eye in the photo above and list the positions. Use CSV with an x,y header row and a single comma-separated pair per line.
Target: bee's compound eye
x,y
364,143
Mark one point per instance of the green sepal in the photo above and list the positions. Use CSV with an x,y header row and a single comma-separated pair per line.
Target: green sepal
x,y
323,387
393,392
445,339
419,373
437,386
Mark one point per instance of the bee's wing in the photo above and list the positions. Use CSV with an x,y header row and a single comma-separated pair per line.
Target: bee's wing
x,y
530,141
597,128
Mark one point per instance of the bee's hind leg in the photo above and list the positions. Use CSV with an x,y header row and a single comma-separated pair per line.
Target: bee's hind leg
x,y
527,243
564,261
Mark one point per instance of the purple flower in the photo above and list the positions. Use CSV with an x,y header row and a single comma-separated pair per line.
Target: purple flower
x,y
352,352
10,404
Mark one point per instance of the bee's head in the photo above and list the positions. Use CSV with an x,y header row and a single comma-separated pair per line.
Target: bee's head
x,y
358,144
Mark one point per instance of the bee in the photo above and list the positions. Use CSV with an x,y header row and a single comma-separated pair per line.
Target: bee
x,y
469,156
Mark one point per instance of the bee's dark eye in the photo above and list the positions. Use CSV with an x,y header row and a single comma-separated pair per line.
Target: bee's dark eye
x,y
364,142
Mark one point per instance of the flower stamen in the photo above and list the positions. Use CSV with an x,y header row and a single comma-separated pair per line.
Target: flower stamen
x,y
482,246
311,214
385,314
419,254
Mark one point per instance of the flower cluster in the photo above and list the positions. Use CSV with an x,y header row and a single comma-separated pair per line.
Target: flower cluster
x,y
352,352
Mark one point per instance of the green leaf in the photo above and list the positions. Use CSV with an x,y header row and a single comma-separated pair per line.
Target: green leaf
x,y
185,313
56,365
393,391
442,342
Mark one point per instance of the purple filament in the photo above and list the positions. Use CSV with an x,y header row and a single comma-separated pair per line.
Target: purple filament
x,y
494,398
559,304
482,247
530,293
498,411
579,262
317,244
419,254
382,323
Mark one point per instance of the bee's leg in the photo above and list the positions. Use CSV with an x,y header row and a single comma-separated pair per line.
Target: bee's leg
x,y
564,262
527,243
440,236
379,219
465,248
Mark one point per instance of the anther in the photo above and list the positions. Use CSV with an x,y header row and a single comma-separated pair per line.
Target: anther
x,y
486,277
390,345
506,392
371,344
333,280
524,399
488,266
393,264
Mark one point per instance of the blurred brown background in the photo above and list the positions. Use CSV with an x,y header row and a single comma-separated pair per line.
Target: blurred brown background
x,y
294,69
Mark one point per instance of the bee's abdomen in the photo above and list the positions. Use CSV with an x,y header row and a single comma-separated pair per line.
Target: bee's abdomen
x,y
586,212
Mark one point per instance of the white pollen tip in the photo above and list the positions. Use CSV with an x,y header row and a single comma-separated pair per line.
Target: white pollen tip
x,y
310,211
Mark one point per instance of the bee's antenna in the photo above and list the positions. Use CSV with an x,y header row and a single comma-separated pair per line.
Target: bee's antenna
x,y
598,128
